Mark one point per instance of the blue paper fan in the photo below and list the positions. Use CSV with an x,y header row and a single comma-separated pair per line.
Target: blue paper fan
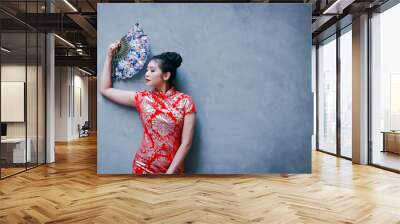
x,y
132,55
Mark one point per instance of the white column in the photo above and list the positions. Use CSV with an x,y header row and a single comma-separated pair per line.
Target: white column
x,y
314,92
360,90
50,92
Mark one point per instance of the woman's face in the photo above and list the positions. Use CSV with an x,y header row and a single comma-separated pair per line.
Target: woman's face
x,y
154,76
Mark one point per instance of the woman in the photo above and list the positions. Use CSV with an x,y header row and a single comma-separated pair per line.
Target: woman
x,y
167,115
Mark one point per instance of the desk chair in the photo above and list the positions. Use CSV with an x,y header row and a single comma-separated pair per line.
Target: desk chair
x,y
84,130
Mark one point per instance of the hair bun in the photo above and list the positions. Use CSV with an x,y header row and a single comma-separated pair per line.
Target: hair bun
x,y
173,57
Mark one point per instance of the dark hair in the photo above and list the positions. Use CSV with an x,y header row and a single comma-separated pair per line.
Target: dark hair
x,y
168,62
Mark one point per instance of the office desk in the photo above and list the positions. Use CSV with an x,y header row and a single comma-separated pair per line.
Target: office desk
x,y
391,141
15,148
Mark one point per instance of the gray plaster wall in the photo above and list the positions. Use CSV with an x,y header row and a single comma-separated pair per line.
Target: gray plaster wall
x,y
247,67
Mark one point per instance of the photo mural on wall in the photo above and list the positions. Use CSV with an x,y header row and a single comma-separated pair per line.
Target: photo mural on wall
x,y
204,88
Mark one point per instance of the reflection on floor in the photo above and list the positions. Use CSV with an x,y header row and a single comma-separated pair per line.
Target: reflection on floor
x,y
10,171
347,152
13,169
386,159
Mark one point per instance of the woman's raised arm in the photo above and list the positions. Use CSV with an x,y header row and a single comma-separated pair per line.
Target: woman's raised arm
x,y
119,96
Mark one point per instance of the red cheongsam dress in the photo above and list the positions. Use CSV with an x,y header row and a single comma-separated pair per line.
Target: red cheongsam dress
x,y
162,116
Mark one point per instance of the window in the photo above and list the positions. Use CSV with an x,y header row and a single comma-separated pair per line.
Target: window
x,y
385,88
346,92
327,95
22,76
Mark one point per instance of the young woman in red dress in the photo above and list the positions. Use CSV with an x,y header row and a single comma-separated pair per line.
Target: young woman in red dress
x,y
167,115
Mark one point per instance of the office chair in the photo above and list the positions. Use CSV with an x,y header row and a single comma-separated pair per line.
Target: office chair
x,y
84,130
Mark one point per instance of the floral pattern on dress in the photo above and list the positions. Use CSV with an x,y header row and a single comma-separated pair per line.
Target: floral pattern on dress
x,y
162,116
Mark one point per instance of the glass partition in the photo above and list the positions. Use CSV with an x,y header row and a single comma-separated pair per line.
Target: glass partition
x,y
13,108
41,91
346,92
385,89
22,78
327,95
32,96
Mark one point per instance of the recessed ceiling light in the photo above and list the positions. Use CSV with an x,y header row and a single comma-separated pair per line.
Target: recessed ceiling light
x,y
5,49
338,6
64,40
86,72
70,5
